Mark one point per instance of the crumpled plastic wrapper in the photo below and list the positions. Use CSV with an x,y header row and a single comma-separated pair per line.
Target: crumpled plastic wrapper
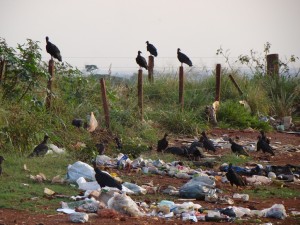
x,y
79,217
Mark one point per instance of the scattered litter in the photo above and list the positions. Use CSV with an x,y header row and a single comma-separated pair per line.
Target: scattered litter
x,y
244,197
277,211
80,169
79,217
93,123
38,178
197,187
124,204
48,191
135,188
54,149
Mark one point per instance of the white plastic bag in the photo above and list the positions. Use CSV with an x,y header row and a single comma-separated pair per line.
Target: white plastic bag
x,y
276,211
93,123
135,188
83,185
197,187
79,217
124,204
80,169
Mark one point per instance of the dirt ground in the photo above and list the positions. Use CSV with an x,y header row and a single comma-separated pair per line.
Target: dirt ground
x,y
12,217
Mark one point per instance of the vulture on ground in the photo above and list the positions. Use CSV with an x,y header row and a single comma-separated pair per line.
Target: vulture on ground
x,y
237,149
234,178
41,149
162,144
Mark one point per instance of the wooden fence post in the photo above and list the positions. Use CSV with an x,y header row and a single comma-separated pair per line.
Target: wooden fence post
x,y
150,68
140,93
236,84
273,65
218,82
49,84
2,69
104,103
181,87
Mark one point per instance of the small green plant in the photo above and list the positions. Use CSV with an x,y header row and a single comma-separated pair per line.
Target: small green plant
x,y
235,115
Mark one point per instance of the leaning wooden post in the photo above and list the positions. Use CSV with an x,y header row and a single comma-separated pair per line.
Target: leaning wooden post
x,y
104,103
218,82
49,84
273,64
181,87
150,68
2,69
140,93
236,84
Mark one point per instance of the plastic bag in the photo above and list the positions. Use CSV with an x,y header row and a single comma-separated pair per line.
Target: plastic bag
x,y
83,185
135,188
124,204
240,211
103,160
276,211
93,123
211,196
79,217
80,169
197,187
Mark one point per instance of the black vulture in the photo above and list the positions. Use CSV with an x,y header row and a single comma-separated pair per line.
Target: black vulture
x,y
41,149
264,137
1,160
257,170
151,49
234,178
141,61
195,150
78,123
183,58
182,151
162,144
104,179
207,144
53,50
237,149
264,146
119,144
101,148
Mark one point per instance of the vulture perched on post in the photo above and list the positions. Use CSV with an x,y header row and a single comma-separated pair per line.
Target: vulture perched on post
x,y
162,144
141,61
234,178
104,179
207,144
237,149
183,58
53,50
151,49
41,149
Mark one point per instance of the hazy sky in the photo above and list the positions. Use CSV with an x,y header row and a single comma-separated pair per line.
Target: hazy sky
x,y
112,31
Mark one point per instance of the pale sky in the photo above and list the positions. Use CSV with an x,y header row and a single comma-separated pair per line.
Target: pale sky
x,y
104,32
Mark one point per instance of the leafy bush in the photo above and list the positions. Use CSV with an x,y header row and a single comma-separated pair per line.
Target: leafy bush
x,y
235,115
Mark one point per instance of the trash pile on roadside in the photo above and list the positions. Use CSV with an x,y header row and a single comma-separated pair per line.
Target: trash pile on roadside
x,y
201,185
